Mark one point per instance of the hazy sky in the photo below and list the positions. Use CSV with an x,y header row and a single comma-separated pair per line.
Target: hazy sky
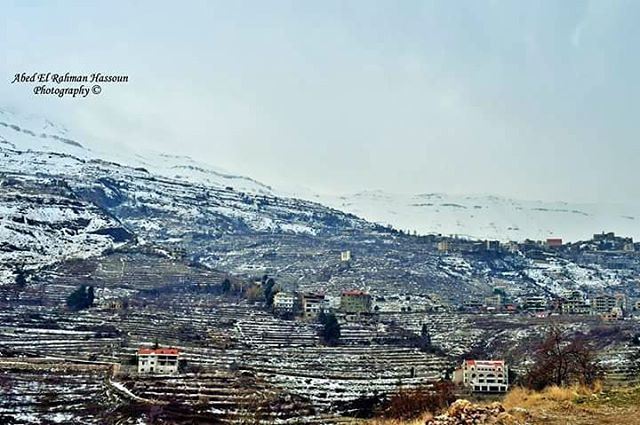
x,y
530,99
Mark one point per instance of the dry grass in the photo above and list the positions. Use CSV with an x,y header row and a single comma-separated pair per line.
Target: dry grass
x,y
576,405
550,396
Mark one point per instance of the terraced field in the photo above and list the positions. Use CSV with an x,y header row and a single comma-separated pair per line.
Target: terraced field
x,y
240,363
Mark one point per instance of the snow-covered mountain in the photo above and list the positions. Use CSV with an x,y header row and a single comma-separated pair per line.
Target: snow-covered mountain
x,y
35,133
62,198
489,217
475,216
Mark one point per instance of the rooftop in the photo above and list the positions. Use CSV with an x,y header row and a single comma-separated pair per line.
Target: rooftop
x,y
354,292
164,351
485,362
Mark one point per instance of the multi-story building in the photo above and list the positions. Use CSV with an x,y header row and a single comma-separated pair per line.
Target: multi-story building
x,y
355,301
554,243
574,303
312,305
621,301
158,360
472,305
483,375
602,304
285,302
494,301
492,245
535,303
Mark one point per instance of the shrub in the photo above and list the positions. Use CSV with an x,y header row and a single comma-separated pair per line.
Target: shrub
x,y
409,403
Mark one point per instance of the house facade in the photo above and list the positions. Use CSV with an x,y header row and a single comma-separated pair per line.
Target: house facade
x,y
284,302
603,304
355,302
312,305
483,376
554,243
535,303
574,303
158,360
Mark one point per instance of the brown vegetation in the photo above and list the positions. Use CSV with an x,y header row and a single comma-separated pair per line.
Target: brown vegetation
x,y
563,361
574,405
410,403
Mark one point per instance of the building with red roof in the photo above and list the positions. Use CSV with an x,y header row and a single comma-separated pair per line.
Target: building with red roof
x,y
483,376
161,360
554,242
355,301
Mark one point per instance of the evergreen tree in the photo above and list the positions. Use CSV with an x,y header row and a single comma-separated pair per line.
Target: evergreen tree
x,y
269,291
330,332
90,296
21,278
322,317
226,286
81,298
425,338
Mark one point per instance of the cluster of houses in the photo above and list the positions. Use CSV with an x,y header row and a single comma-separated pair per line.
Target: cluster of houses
x,y
607,306
605,241
610,242
310,305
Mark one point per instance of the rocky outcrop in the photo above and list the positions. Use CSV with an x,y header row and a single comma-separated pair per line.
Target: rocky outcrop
x,y
463,412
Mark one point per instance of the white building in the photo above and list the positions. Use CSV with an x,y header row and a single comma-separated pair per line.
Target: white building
x,y
158,360
483,375
345,256
284,301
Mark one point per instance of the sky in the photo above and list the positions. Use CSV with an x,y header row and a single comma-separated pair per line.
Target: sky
x,y
530,100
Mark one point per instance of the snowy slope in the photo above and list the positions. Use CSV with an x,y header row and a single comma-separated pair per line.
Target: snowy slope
x,y
484,217
61,197
490,217
42,222
25,132
62,200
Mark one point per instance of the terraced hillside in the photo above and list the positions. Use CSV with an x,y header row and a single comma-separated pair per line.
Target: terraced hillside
x,y
61,199
225,341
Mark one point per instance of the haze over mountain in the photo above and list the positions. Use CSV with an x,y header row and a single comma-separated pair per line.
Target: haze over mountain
x,y
524,100
476,216
490,216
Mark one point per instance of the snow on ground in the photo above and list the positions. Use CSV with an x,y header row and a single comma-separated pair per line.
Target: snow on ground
x,y
489,217
478,216
558,276
27,132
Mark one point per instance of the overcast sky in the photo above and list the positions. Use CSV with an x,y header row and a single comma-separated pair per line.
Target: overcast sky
x,y
528,99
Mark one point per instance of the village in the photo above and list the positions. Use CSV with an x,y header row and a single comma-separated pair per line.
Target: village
x,y
196,341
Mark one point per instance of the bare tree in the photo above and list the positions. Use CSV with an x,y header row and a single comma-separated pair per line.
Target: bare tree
x,y
563,360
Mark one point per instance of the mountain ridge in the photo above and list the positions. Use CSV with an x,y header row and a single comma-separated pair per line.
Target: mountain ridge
x,y
472,216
